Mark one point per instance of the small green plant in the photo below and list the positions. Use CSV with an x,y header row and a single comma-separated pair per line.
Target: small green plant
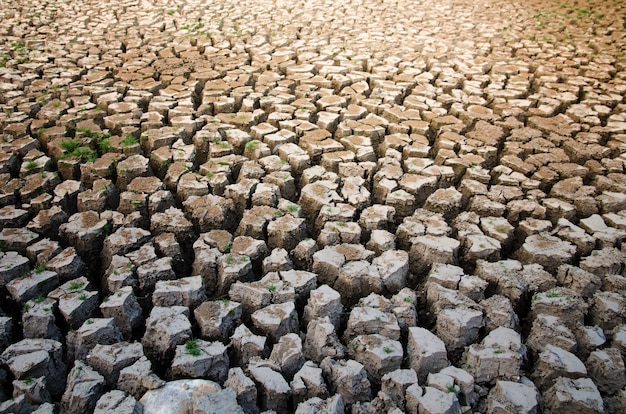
x,y
69,145
106,299
452,389
136,204
408,299
352,345
39,299
230,260
271,288
72,148
25,307
387,350
30,165
39,268
497,351
28,380
104,145
293,208
191,347
89,321
76,286
227,247
553,294
82,297
46,309
225,301
252,145
129,141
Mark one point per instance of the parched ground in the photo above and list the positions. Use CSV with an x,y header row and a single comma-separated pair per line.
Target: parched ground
x,y
312,206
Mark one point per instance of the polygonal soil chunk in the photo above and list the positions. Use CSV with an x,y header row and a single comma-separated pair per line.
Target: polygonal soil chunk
x,y
508,396
117,401
109,360
165,329
437,401
187,291
274,390
123,307
200,359
35,358
555,362
84,388
191,394
276,320
38,319
245,389
287,355
378,354
217,319
347,378
93,332
246,345
498,356
574,395
308,383
138,378
12,266
606,369
426,352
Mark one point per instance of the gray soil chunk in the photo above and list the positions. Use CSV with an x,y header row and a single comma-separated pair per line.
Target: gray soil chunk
x,y
347,378
117,402
84,388
109,360
573,395
201,396
37,358
508,396
276,320
498,356
165,329
200,359
138,378
606,369
426,352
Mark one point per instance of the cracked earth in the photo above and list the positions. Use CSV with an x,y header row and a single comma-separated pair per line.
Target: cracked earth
x,y
321,206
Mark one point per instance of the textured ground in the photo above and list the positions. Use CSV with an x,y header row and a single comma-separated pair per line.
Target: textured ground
x,y
462,161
